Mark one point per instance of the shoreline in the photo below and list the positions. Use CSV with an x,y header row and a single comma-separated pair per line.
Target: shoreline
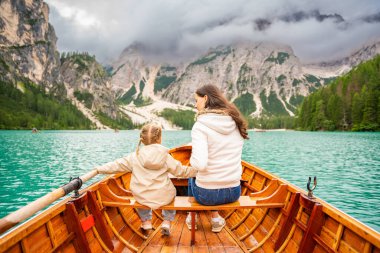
x,y
270,130
258,130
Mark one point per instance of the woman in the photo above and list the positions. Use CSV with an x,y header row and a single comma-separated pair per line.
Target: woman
x,y
217,140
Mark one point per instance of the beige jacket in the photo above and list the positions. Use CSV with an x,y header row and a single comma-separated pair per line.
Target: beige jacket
x,y
150,182
216,154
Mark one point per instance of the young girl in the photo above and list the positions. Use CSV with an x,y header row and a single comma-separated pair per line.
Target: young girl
x,y
150,183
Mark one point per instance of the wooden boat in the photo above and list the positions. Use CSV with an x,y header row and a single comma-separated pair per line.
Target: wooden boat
x,y
98,221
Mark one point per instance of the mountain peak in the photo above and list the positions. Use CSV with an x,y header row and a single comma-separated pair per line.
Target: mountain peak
x,y
343,65
135,48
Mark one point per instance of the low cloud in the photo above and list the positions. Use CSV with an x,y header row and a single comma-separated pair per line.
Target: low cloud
x,y
172,30
374,18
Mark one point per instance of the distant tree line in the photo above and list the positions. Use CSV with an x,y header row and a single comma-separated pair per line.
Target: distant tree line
x,y
351,102
32,107
272,122
121,121
83,55
85,97
181,118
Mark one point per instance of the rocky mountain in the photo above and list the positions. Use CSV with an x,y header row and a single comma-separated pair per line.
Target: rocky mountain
x,y
87,84
28,43
264,78
28,51
261,78
345,64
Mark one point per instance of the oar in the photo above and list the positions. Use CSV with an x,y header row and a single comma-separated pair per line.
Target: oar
x,y
30,209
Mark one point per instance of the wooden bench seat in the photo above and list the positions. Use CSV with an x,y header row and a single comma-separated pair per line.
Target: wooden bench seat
x,y
276,200
273,196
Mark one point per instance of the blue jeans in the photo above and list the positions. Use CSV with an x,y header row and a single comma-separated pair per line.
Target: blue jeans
x,y
146,214
212,197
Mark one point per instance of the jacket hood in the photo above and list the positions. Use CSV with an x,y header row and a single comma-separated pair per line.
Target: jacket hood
x,y
153,156
223,124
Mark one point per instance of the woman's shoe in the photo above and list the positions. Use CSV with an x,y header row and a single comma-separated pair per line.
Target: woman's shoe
x,y
188,221
165,228
146,225
217,224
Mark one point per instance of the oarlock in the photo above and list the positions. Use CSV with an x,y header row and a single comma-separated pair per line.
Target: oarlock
x,y
310,190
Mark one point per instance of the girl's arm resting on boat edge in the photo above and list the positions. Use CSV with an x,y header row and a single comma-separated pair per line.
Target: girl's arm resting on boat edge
x,y
123,164
199,154
177,169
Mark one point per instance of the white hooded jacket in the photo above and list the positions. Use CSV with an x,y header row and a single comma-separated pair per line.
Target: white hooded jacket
x,y
216,151
150,182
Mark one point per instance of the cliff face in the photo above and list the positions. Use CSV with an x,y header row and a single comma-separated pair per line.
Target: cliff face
x,y
28,50
28,43
87,81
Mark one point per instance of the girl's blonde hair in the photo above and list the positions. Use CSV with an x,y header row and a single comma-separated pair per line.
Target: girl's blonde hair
x,y
150,134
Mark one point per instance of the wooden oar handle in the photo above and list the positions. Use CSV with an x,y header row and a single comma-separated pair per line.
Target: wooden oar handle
x,y
89,175
25,212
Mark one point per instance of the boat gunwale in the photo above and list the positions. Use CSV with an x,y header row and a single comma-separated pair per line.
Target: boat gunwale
x,y
345,219
25,228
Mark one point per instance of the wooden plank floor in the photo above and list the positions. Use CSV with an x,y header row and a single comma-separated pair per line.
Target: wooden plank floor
x,y
205,240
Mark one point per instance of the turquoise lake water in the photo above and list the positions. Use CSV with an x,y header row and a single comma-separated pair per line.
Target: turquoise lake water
x,y
347,165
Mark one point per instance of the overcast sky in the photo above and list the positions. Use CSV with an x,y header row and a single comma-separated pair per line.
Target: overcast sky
x,y
316,30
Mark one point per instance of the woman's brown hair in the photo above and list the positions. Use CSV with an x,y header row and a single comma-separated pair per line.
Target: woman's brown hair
x,y
216,100
150,134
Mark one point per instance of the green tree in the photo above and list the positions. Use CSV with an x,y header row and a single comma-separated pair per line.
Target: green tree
x,y
335,110
378,110
319,116
181,118
357,110
351,102
35,108
369,121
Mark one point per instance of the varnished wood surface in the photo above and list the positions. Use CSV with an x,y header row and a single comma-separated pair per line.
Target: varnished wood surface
x,y
190,204
26,211
205,240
